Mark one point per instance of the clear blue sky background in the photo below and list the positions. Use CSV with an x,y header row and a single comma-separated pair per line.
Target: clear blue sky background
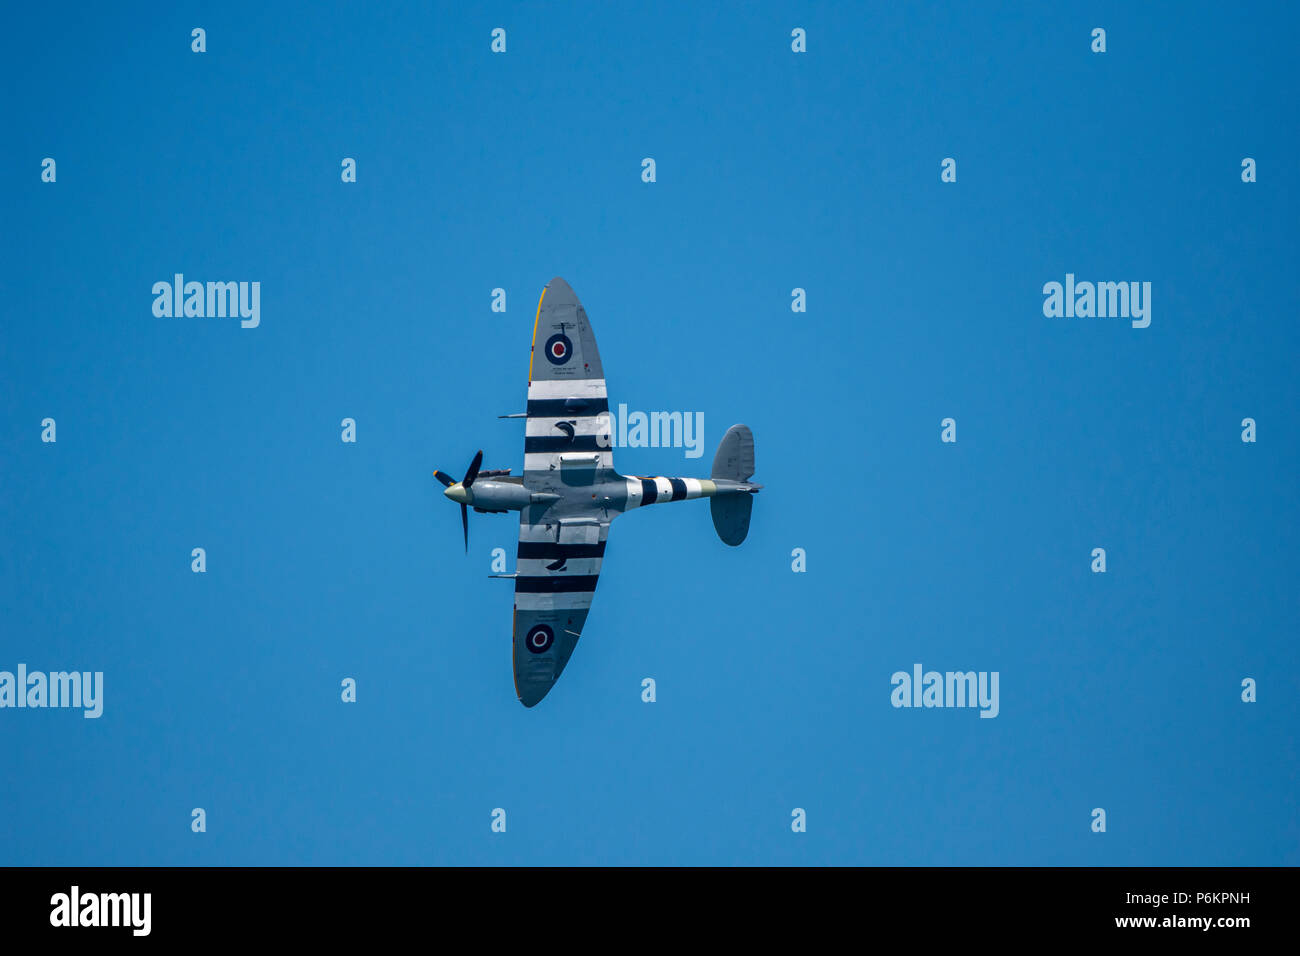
x,y
775,170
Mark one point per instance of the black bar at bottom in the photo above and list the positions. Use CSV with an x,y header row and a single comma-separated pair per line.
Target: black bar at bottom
x,y
335,905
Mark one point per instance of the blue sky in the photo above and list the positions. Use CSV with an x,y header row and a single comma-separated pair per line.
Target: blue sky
x,y
775,170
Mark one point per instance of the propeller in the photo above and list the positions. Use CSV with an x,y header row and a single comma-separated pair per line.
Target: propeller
x,y
459,491
473,469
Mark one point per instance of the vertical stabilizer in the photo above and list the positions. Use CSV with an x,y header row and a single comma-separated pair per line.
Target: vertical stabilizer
x,y
734,461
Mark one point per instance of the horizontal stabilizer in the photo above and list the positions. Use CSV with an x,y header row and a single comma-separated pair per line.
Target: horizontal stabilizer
x,y
731,517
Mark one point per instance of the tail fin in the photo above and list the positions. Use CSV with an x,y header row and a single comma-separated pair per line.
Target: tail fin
x,y
734,462
735,455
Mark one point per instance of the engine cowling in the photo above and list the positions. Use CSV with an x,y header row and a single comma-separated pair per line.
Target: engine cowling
x,y
488,495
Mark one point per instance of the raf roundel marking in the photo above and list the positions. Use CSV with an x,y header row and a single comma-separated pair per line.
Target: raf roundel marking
x,y
559,349
540,639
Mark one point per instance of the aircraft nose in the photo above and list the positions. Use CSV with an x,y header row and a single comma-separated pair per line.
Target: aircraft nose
x,y
456,492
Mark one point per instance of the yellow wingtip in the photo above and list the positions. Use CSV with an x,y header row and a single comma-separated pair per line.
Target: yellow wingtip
x,y
533,348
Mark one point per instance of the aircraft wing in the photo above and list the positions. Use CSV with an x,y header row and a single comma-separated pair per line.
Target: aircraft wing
x,y
568,412
566,448
557,568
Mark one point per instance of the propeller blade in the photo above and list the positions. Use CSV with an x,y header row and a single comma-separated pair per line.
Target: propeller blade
x,y
444,478
464,520
473,469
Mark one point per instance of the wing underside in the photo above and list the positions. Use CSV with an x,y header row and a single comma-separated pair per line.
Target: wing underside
x,y
557,567
568,412
566,449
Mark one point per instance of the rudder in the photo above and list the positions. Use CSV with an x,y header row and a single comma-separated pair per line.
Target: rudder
x,y
734,458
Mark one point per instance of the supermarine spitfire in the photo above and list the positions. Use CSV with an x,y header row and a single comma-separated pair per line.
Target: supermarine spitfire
x,y
569,491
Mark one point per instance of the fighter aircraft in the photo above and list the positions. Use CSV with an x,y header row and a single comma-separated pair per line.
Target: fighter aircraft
x,y
569,491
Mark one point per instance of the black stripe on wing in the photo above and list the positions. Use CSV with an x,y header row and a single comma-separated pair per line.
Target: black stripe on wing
x,y
551,549
566,407
562,443
555,583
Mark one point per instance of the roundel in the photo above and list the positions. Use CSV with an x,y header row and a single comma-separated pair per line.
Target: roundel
x,y
540,639
559,349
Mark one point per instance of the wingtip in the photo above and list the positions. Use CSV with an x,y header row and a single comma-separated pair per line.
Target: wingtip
x,y
530,704
559,291
533,697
